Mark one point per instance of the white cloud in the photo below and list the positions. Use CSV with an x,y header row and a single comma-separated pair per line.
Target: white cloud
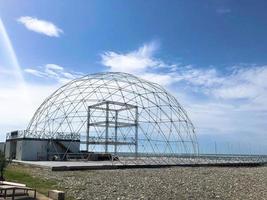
x,y
35,72
54,67
141,62
244,83
240,83
133,62
199,77
53,71
40,26
239,91
255,75
162,79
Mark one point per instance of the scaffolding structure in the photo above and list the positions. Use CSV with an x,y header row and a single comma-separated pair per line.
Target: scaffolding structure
x,y
111,111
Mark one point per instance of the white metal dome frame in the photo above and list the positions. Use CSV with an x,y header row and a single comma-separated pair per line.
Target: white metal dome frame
x,y
116,113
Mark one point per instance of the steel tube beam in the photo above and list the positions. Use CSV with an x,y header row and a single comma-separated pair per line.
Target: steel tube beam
x,y
107,125
116,131
109,143
88,129
112,102
136,131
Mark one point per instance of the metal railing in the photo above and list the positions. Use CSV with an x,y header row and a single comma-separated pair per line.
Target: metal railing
x,y
42,135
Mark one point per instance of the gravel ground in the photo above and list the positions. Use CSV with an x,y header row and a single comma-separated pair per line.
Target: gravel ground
x,y
163,183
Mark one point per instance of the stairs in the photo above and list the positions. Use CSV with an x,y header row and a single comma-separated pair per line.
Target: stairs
x,y
63,147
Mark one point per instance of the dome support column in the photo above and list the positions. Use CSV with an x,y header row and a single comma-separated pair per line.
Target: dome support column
x,y
107,125
136,131
116,131
87,129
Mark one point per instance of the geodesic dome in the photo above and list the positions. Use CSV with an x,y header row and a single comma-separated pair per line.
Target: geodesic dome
x,y
116,113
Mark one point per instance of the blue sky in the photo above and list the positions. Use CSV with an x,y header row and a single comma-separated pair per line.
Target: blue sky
x,y
209,54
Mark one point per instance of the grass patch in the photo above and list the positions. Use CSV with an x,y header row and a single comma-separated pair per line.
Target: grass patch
x,y
20,175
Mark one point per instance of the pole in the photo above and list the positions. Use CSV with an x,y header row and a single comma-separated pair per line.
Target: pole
x,y
87,129
136,131
215,148
116,131
107,125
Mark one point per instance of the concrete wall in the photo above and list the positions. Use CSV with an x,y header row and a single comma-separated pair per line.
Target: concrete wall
x,y
31,150
10,149
7,150
34,149
2,146
19,150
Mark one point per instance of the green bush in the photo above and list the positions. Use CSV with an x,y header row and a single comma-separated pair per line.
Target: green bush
x,y
3,164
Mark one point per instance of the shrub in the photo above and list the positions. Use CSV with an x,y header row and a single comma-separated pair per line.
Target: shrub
x,y
3,164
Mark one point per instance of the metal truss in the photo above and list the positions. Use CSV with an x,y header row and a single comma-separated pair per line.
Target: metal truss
x,y
117,113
